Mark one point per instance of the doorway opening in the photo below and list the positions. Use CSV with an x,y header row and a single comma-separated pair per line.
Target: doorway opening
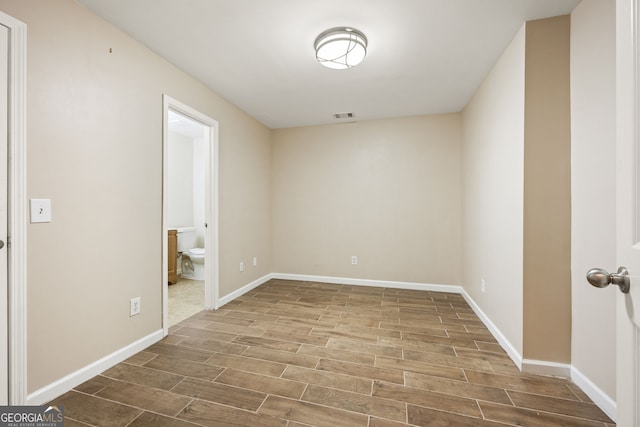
x,y
190,212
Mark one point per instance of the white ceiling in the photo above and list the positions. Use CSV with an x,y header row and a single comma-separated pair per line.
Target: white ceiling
x,y
424,56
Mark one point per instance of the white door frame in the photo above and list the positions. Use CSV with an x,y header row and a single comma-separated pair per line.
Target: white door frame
x,y
17,199
211,263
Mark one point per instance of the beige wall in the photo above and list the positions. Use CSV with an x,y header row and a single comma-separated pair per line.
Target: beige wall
x,y
493,173
593,243
387,191
245,202
391,192
516,197
95,148
547,192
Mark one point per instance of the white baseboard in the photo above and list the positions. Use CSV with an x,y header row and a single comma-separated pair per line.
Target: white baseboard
x,y
366,282
538,367
61,386
243,290
549,369
599,397
499,336
513,353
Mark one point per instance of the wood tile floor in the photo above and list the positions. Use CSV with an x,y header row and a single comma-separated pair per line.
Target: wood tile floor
x,y
310,354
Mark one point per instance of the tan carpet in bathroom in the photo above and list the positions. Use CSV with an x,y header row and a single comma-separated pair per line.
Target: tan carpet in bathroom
x,y
186,298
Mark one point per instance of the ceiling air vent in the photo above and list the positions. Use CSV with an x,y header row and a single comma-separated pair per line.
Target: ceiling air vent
x,y
344,115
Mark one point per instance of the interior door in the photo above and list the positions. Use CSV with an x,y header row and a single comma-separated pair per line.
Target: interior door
x,y
4,311
628,221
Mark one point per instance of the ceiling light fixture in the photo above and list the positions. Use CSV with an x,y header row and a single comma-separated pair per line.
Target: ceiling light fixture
x,y
341,48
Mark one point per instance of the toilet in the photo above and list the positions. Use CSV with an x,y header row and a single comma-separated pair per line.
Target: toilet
x,y
192,258
197,259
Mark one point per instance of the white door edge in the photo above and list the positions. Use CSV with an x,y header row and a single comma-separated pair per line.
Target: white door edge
x,y
628,224
211,207
17,146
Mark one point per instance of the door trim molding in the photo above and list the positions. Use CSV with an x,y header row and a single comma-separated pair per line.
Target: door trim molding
x,y
17,198
211,265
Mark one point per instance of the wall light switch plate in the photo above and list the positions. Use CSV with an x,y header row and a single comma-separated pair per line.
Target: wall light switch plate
x,y
40,210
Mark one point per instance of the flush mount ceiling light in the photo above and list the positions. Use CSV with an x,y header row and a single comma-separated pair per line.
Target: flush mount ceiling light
x,y
341,48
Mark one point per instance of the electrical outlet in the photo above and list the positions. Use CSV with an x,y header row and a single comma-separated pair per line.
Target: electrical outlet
x,y
134,307
255,261
241,266
354,260
483,286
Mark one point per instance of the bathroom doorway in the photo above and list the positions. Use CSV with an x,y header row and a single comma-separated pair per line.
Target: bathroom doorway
x,y
190,219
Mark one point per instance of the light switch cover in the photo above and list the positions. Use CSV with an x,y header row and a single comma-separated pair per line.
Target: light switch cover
x,y
40,210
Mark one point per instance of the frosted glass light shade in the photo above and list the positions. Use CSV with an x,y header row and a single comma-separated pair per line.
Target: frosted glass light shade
x,y
341,48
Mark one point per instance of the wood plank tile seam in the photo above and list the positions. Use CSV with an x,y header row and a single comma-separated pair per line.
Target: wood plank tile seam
x,y
293,353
